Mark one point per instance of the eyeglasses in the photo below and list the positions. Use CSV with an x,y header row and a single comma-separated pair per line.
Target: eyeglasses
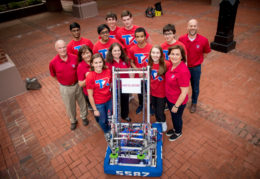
x,y
166,34
104,32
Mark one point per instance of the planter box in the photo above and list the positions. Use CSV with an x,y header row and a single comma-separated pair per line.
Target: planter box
x,y
10,80
22,12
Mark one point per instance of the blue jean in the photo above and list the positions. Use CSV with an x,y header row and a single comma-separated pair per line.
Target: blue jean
x,y
195,73
176,117
102,120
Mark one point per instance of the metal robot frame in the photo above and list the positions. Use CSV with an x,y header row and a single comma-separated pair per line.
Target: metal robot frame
x,y
134,149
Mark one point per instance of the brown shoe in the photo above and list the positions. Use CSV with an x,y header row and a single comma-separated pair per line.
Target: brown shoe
x,y
193,108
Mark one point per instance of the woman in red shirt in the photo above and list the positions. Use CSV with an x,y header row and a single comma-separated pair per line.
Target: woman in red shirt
x,y
84,56
158,69
177,80
117,58
98,83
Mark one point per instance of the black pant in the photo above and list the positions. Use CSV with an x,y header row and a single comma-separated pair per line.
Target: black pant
x,y
87,100
141,96
124,99
158,106
176,117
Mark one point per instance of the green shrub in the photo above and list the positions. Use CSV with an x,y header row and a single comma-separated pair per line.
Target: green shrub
x,y
14,5
31,2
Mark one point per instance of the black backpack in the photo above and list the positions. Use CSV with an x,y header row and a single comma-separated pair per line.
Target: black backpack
x,y
32,84
150,12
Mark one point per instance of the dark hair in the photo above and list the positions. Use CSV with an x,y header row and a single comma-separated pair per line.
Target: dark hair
x,y
169,27
83,49
97,55
126,13
183,54
102,27
74,25
111,15
162,66
140,29
109,56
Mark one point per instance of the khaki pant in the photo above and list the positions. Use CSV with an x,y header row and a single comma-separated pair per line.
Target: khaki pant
x,y
71,94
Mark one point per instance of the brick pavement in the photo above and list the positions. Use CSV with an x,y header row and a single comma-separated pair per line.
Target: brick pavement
x,y
221,140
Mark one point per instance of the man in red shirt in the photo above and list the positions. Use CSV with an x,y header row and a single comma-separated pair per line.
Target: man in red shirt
x,y
103,44
77,41
126,35
111,19
139,55
63,67
196,46
169,33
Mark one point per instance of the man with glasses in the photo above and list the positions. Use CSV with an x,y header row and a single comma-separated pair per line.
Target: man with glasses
x,y
103,44
169,32
75,44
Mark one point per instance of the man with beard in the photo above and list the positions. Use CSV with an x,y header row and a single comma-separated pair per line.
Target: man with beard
x,y
75,44
196,46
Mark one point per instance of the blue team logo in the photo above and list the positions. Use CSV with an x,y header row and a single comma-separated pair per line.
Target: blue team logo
x,y
112,36
102,82
165,52
141,58
129,39
198,46
155,76
103,52
77,47
172,76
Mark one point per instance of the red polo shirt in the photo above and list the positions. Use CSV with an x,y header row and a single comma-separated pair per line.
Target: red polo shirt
x,y
158,82
83,68
100,84
112,34
195,49
121,64
165,46
64,71
179,77
127,37
103,48
74,46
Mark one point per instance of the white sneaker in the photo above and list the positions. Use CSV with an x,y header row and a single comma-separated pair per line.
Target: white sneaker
x,y
164,126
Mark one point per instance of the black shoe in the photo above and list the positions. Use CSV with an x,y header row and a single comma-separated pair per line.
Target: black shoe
x,y
170,132
73,126
128,119
175,136
85,121
139,109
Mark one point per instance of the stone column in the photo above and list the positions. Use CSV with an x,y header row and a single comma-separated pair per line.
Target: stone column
x,y
53,5
223,41
84,8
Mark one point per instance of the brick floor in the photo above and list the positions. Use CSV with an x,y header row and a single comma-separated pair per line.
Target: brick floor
x,y
221,140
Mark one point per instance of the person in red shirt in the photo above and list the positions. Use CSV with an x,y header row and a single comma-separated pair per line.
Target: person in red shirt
x,y
158,69
63,67
177,79
126,35
139,55
75,44
98,86
111,19
169,33
196,46
84,57
103,44
117,58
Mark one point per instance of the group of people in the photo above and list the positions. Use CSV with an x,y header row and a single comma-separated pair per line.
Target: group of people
x,y
82,66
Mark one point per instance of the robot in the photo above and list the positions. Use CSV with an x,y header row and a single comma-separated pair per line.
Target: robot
x,y
134,149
